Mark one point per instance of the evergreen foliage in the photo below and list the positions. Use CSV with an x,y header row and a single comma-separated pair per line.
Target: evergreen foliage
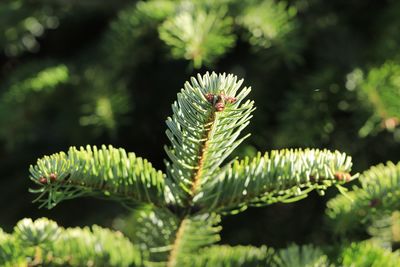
x,y
305,255
381,89
325,74
43,243
203,31
377,197
371,208
227,256
368,254
268,22
198,33
208,118
105,171
281,176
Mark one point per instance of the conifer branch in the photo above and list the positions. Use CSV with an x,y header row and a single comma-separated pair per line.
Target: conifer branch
x,y
377,197
44,243
153,230
305,255
208,118
369,254
382,90
223,255
279,176
385,230
192,234
198,32
167,240
104,172
268,22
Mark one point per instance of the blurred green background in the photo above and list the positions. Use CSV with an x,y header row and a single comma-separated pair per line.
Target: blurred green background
x,y
325,74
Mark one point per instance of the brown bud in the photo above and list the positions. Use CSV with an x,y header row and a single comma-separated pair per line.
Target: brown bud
x,y
209,97
343,176
43,180
230,99
219,106
390,123
53,177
